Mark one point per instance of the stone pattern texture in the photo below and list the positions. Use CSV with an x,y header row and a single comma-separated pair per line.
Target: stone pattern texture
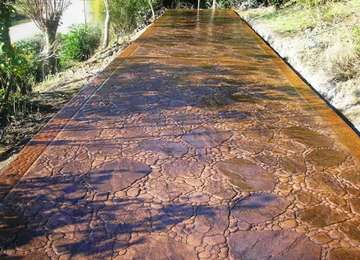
x,y
199,145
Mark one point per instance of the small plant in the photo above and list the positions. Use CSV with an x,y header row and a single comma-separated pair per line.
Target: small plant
x,y
79,44
356,39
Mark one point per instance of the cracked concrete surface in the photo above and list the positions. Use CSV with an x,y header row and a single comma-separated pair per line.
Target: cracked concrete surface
x,y
198,142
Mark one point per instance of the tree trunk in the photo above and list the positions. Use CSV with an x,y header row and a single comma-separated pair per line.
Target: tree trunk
x,y
152,10
198,6
50,37
214,4
106,25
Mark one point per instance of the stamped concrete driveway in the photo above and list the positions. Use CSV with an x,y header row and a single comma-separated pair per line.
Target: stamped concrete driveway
x,y
196,142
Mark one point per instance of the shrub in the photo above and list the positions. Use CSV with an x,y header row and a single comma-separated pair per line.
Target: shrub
x,y
79,44
31,51
16,79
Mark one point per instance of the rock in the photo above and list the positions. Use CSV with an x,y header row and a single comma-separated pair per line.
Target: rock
x,y
326,158
307,198
351,229
205,137
325,183
307,137
156,246
352,176
246,175
321,216
344,253
355,205
252,245
293,165
168,191
258,208
117,175
172,149
287,224
183,168
321,238
219,189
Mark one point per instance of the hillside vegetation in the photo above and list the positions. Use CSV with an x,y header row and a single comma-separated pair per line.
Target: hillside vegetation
x,y
322,41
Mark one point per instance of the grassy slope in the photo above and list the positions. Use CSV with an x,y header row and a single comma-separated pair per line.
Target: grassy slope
x,y
321,42
295,18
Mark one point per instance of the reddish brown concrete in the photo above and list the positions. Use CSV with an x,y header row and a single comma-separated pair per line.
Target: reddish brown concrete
x,y
197,142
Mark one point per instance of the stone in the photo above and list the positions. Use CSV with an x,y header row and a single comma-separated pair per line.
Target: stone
x,y
172,149
205,137
351,229
287,224
326,158
344,253
259,133
307,136
258,208
325,183
219,189
252,245
183,168
321,238
321,216
168,191
355,205
247,175
352,176
212,220
156,246
307,198
117,175
251,146
293,165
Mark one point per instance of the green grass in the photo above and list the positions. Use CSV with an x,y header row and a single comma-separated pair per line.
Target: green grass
x,y
296,17
356,38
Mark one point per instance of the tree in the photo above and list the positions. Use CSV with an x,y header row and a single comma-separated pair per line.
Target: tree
x,y
6,10
46,14
106,24
214,4
152,9
198,5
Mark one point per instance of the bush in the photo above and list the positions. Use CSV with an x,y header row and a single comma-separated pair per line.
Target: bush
x,y
31,51
17,77
79,44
